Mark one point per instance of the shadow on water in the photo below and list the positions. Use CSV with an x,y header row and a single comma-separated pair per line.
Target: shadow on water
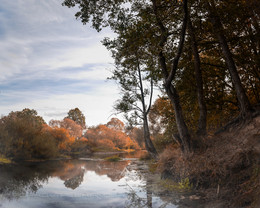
x,y
85,182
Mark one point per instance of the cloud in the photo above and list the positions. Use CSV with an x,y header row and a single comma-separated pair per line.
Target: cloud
x,y
51,62
96,104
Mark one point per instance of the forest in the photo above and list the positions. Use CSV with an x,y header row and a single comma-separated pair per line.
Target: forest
x,y
203,57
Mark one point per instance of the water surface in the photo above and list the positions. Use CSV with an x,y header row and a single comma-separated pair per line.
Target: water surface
x,y
85,182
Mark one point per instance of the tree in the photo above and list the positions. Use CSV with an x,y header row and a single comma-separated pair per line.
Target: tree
x,y
131,74
115,15
154,32
169,75
116,124
77,116
245,106
107,137
75,130
61,136
202,123
23,136
137,134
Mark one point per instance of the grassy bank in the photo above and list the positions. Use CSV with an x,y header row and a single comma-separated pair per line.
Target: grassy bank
x,y
227,169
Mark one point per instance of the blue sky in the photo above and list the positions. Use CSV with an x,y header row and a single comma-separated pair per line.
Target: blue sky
x,y
52,63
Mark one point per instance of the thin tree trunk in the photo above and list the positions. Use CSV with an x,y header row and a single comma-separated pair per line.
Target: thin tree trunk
x,y
147,137
244,104
202,123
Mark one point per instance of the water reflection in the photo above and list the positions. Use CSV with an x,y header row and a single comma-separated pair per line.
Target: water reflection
x,y
75,183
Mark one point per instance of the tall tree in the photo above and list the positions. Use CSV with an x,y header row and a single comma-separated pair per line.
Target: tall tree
x,y
169,74
202,123
77,116
160,28
244,104
119,17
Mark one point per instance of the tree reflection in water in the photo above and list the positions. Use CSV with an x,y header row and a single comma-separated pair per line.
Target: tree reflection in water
x,y
18,179
79,182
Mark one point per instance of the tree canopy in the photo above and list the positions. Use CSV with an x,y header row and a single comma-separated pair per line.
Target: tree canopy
x,y
77,116
207,59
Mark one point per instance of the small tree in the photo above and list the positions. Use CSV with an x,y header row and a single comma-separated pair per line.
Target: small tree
x,y
137,89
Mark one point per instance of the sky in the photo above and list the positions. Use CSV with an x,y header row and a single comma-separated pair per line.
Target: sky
x,y
51,62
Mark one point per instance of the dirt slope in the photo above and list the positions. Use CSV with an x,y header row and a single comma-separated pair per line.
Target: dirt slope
x,y
227,171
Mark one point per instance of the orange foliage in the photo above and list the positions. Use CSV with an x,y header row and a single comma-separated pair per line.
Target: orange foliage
x,y
116,124
75,130
61,136
111,136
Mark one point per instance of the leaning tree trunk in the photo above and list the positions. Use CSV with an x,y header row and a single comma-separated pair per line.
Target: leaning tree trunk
x,y
202,123
181,125
244,104
169,76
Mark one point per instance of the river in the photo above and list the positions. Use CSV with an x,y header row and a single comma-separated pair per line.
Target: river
x,y
85,182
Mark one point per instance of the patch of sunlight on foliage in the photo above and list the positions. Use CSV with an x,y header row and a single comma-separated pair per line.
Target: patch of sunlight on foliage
x,y
183,185
3,159
113,158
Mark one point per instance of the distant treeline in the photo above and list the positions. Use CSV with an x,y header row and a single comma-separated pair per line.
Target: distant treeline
x,y
25,135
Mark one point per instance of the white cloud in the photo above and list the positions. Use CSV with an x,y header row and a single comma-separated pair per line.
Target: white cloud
x,y
43,35
52,63
96,105
78,57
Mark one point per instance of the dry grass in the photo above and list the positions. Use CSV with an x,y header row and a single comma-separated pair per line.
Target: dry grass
x,y
231,161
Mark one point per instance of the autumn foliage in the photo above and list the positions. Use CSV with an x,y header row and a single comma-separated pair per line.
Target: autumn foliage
x,y
25,135
110,136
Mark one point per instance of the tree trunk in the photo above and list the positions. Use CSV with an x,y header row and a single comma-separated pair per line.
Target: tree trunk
x,y
202,123
147,139
244,104
169,76
181,125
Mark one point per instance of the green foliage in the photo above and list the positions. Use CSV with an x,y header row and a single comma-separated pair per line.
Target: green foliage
x,y
183,185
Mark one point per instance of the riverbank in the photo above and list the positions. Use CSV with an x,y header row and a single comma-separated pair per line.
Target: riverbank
x,y
226,172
